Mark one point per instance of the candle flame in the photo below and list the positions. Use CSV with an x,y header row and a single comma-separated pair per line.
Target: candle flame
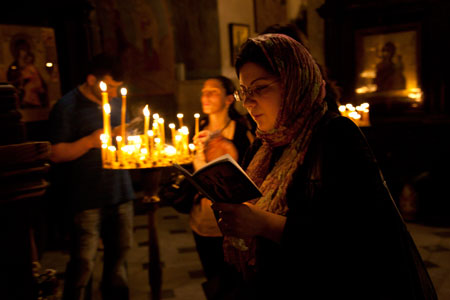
x,y
184,130
155,116
179,116
170,150
178,137
171,126
150,133
354,115
123,91
118,138
103,86
107,108
49,64
192,147
112,148
146,111
161,121
197,115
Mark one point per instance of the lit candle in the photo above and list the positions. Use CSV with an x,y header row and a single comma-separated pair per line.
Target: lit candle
x,y
123,91
104,154
119,140
150,134
162,132
178,146
365,114
180,119
146,123
185,141
107,124
158,145
343,110
103,88
197,122
112,154
155,125
172,129
192,149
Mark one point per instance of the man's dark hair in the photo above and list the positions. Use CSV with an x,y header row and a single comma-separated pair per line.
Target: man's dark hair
x,y
103,64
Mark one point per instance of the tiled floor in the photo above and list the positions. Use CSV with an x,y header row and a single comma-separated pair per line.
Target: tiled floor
x,y
181,269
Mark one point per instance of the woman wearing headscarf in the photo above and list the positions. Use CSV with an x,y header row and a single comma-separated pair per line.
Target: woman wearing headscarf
x,y
326,226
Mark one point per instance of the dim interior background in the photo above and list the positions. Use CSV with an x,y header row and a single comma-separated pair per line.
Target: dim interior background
x,y
169,47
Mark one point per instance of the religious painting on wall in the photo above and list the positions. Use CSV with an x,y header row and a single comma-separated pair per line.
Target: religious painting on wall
x,y
388,68
141,35
239,33
28,60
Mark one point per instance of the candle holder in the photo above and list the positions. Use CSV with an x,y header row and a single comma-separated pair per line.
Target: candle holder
x,y
145,151
359,114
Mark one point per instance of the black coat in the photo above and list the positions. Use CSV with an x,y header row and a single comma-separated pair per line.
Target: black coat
x,y
344,237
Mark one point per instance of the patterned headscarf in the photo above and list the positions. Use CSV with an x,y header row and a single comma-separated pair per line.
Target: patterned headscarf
x,y
302,108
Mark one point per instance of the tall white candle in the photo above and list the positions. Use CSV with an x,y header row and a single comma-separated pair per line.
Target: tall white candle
x,y
197,122
180,120
123,91
146,123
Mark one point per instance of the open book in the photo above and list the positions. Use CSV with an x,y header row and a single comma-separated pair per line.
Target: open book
x,y
222,180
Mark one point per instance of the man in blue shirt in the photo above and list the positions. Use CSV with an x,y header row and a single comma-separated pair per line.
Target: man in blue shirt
x,y
100,199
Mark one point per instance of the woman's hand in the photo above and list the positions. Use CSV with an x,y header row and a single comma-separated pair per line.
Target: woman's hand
x,y
247,220
218,146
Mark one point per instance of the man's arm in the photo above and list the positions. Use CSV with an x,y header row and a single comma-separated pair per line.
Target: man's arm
x,y
63,152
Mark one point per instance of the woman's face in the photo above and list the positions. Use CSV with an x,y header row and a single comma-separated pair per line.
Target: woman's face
x,y
213,98
265,97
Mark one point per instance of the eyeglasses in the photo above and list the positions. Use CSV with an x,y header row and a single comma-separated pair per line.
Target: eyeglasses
x,y
243,93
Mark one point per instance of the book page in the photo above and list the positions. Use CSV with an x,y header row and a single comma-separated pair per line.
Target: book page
x,y
227,181
223,180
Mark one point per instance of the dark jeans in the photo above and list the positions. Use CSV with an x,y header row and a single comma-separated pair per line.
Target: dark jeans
x,y
115,226
210,252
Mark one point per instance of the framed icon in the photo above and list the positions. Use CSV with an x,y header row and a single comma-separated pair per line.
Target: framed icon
x,y
239,33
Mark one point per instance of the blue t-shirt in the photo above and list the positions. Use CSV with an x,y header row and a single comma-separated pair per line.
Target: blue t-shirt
x,y
88,185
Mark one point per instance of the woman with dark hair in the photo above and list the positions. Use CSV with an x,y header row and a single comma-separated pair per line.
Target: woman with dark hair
x,y
223,130
326,226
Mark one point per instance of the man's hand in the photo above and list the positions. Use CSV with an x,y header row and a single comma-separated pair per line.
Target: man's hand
x,y
62,152
94,139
